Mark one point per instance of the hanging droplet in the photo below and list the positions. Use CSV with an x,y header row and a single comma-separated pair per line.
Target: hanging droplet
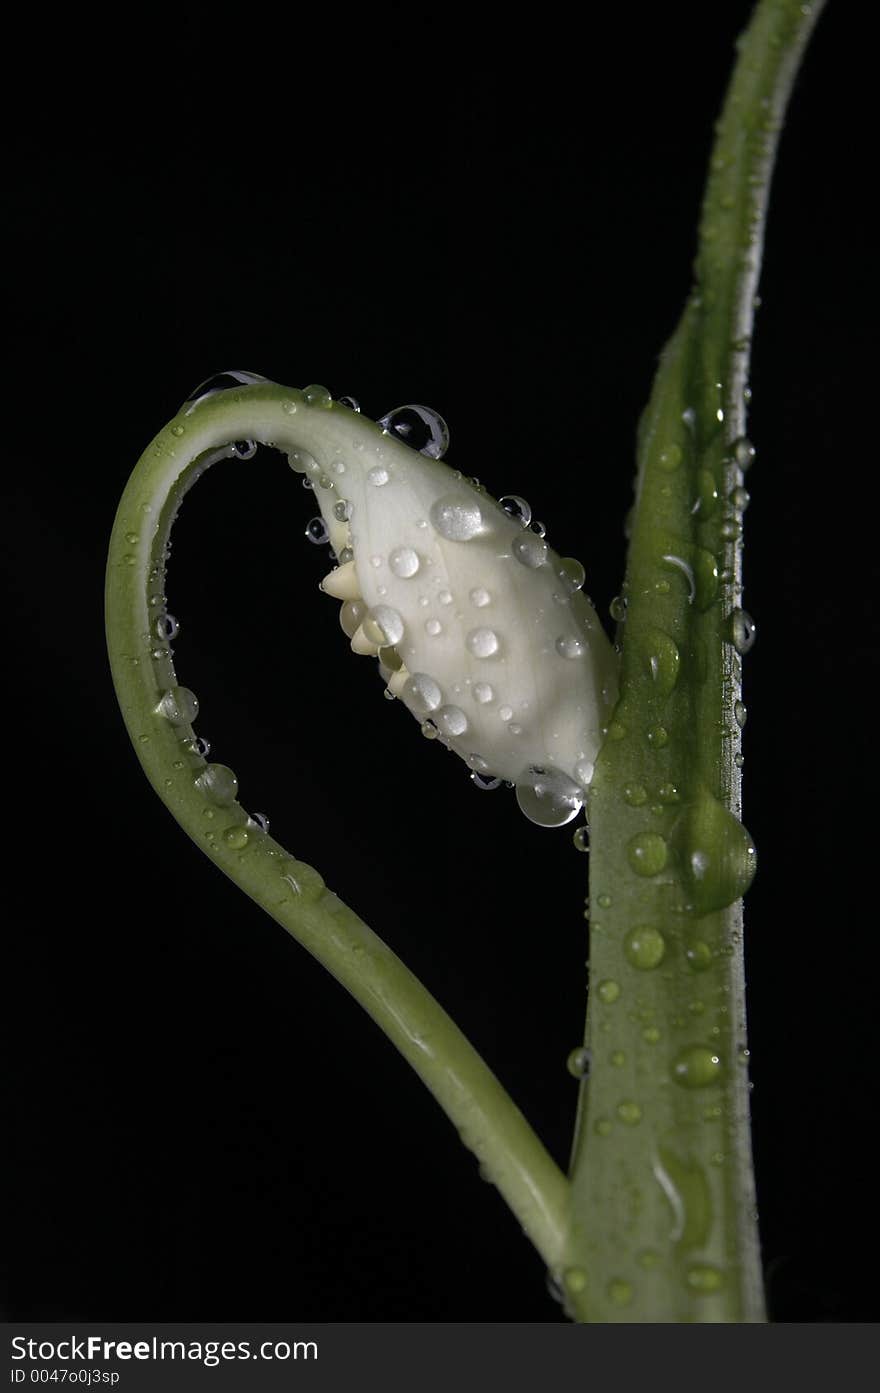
x,y
350,402
167,627
578,1062
261,820
743,452
538,528
420,428
581,839
741,631
484,781
546,796
517,507
617,609
244,449
316,531
301,462
571,573
342,510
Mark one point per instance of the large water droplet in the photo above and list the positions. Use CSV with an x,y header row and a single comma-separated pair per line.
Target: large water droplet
x,y
351,616
647,853
219,784
530,550
717,853
403,562
548,797
301,878
179,706
244,449
451,720
316,395
483,643
697,1066
662,659
420,428
517,507
221,382
383,626
645,947
422,693
167,627
457,517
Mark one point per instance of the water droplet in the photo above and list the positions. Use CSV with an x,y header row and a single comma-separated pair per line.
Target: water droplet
x,y
707,494
261,822
578,1062
705,570
617,609
629,1112
505,713
670,458
178,430
351,616
433,627
179,706
483,693
538,528
648,1259
718,854
485,782
445,597
530,550
583,772
131,538
483,643
451,720
236,837
567,646
316,395
219,784
221,382
167,627
743,452
317,531
575,1280
650,1034
658,736
647,853
645,947
377,476
668,793
635,795
342,510
602,1126
301,878
663,660
457,517
740,499
616,730
422,692
740,713
350,402
383,625
571,573
403,562
420,428
617,1059
545,795
619,1292
244,449
429,730
697,1066
741,630
704,1278
301,462
517,507
608,991
698,955
581,839
479,598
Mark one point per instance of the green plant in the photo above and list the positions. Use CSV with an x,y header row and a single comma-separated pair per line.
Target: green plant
x,y
656,1220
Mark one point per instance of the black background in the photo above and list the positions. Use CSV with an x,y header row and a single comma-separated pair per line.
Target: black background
x,y
494,216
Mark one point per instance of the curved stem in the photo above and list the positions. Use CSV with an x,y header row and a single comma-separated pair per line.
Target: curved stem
x,y
203,797
663,1219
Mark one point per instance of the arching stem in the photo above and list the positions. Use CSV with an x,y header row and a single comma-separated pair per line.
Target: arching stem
x,y
159,714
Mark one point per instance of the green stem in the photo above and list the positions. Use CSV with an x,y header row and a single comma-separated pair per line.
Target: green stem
x,y
203,797
663,1220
